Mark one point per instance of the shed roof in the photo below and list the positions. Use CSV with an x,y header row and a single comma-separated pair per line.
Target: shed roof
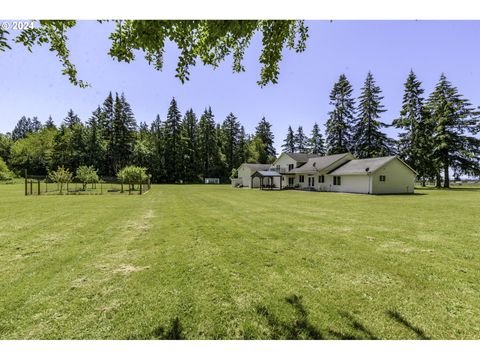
x,y
317,163
365,166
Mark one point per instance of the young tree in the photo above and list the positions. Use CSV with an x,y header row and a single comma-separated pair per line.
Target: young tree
x,y
264,133
173,144
301,141
341,118
369,141
316,144
61,176
87,175
132,175
415,142
289,142
454,123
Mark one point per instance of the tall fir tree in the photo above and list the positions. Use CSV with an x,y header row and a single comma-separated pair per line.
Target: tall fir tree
x,y
71,119
106,123
264,133
208,150
415,145
173,144
243,140
341,119
316,144
230,138
49,124
289,142
96,146
454,123
369,141
190,147
301,141
157,142
123,133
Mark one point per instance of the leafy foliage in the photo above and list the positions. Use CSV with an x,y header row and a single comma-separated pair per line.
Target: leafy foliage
x,y
207,41
5,173
61,176
87,175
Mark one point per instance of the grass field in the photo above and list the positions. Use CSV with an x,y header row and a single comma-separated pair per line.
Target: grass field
x,y
213,262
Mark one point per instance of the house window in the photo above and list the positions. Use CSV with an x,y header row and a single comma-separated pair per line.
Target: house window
x,y
382,178
321,179
278,168
302,178
290,167
290,181
337,180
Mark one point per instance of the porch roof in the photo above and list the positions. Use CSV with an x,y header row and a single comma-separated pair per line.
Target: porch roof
x,y
264,174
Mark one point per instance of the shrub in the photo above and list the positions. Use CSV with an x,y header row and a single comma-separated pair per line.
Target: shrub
x,y
87,175
60,176
5,173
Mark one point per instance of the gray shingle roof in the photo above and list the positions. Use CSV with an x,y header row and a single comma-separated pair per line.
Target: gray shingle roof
x,y
359,167
317,163
256,167
301,157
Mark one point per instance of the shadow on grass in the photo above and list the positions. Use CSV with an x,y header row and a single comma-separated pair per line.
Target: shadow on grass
x,y
363,333
466,189
395,315
173,331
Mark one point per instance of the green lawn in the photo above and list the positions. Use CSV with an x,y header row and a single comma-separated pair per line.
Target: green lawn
x,y
213,262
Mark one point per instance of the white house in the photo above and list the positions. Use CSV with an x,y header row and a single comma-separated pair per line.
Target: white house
x,y
337,173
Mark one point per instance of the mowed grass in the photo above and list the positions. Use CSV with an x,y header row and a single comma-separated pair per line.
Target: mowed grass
x,y
213,262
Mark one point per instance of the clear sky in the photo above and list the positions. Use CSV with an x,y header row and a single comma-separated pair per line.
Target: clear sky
x,y
32,84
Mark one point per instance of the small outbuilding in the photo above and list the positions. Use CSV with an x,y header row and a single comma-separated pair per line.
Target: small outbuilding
x,y
267,179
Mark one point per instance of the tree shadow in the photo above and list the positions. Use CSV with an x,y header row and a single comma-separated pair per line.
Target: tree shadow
x,y
173,331
395,315
364,332
300,328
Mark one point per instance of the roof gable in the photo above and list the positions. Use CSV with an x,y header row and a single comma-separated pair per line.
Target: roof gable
x,y
319,163
366,166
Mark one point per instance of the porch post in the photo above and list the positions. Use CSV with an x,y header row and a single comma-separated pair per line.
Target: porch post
x,y
281,182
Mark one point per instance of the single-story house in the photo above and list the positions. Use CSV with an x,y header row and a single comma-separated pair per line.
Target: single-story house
x,y
337,173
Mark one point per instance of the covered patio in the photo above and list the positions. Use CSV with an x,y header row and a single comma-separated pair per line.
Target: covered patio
x,y
269,175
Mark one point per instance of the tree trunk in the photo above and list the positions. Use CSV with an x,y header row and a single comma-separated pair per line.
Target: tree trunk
x,y
438,180
446,181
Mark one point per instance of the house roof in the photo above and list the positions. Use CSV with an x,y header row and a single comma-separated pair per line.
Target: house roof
x,y
300,157
317,163
266,173
256,167
359,167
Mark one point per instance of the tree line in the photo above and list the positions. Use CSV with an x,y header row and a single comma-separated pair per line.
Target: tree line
x,y
437,135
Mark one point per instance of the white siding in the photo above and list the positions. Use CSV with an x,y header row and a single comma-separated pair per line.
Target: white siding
x,y
398,179
245,174
351,184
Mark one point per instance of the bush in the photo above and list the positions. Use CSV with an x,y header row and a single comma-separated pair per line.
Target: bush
x,y
60,176
87,175
5,173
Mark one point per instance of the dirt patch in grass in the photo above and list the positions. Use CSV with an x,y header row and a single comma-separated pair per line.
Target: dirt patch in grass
x,y
126,269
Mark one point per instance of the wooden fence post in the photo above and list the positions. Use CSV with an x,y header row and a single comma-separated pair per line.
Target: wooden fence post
x,y
26,191
31,187
38,187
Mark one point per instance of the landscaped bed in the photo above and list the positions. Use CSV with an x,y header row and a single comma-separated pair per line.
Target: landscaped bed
x,y
196,261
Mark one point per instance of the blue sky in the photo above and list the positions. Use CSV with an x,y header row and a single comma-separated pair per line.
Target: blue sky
x,y
32,84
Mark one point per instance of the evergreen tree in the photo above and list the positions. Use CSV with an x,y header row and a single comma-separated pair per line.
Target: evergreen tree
x,y
123,134
264,133
106,121
173,147
341,118
49,124
26,126
243,147
190,146
300,141
369,141
96,146
158,145
230,136
415,142
289,142
316,144
208,151
72,119
454,124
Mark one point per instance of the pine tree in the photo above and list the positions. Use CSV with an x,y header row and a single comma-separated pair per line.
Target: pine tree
x,y
454,124
190,146
415,143
173,147
106,122
316,144
230,136
49,124
123,133
71,119
96,146
300,141
26,126
369,141
264,133
158,147
207,145
289,142
243,148
341,118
